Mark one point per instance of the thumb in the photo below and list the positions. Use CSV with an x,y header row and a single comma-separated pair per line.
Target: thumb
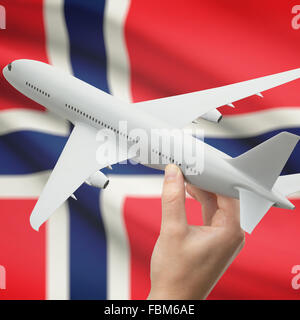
x,y
173,200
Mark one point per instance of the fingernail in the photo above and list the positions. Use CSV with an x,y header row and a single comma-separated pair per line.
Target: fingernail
x,y
171,172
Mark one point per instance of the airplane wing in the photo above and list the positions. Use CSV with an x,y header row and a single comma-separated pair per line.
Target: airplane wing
x,y
182,109
76,163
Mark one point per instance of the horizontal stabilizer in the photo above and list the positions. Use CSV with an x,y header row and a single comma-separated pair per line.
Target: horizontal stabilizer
x,y
265,162
288,184
252,209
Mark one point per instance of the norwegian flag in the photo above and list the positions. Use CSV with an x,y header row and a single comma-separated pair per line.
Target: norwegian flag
x,y
100,246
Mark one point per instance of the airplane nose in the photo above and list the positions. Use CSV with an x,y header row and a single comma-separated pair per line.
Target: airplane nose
x,y
7,71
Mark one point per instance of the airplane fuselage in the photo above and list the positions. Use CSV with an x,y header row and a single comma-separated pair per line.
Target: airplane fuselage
x,y
77,101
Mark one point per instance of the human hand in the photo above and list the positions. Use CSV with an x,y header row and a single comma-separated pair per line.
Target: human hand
x,y
187,261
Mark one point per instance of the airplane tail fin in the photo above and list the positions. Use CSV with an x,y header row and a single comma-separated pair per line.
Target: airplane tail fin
x,y
264,163
288,184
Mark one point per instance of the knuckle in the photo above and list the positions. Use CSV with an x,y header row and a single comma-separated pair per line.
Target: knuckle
x,y
173,230
234,235
237,236
170,196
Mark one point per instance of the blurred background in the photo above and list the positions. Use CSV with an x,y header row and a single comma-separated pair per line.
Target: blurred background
x,y
100,246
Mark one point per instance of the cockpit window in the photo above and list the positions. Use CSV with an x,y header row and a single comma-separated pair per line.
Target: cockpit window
x,y
9,67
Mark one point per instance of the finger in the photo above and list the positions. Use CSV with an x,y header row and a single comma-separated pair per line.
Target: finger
x,y
208,202
173,200
228,214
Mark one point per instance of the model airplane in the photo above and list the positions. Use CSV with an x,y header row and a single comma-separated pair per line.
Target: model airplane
x,y
252,177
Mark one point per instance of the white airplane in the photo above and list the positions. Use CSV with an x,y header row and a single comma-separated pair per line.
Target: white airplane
x,y
252,177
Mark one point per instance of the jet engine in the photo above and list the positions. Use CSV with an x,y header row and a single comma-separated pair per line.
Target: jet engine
x,y
213,116
98,180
